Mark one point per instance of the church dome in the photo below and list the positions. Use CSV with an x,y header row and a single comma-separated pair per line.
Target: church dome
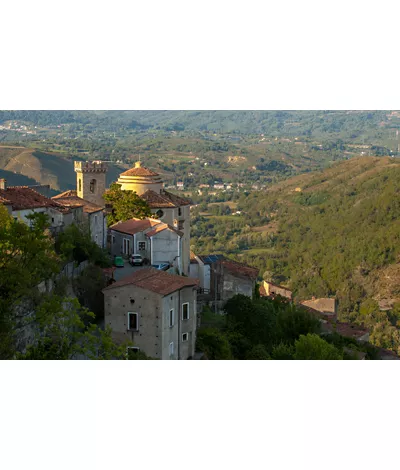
x,y
140,179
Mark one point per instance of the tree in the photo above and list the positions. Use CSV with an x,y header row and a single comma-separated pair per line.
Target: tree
x,y
214,344
312,347
283,351
64,331
75,243
125,205
27,257
88,286
294,321
258,353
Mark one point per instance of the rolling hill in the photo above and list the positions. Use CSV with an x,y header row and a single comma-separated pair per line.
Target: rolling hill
x,y
27,166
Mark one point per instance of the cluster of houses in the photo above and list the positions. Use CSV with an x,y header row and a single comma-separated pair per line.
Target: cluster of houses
x,y
156,310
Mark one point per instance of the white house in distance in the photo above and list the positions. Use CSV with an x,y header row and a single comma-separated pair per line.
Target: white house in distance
x,y
92,214
153,239
154,310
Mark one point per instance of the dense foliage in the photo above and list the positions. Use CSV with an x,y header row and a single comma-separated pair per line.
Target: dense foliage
x,y
27,257
125,205
75,244
59,327
259,328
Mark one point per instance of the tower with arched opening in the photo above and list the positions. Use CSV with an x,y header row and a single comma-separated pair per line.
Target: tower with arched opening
x,y
91,181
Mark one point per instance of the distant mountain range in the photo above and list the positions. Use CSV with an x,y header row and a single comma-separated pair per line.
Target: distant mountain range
x,y
347,124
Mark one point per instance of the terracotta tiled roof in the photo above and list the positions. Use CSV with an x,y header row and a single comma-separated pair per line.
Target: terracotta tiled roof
x,y
75,201
164,199
321,315
323,304
348,330
156,281
133,226
278,287
161,227
141,171
177,200
156,200
68,193
240,269
22,197
386,354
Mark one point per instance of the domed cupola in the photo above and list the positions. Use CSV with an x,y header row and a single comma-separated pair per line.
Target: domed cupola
x,y
140,179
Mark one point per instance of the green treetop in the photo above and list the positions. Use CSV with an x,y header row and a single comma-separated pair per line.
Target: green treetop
x,y
125,205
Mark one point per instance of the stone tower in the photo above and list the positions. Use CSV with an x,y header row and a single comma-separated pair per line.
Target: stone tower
x,y
91,181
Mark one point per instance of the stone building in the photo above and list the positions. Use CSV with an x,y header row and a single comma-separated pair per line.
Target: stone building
x,y
91,181
154,310
229,278
91,214
200,268
22,201
220,279
268,289
152,239
171,209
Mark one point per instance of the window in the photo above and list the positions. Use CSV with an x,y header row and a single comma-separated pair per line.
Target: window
x,y
80,185
171,318
171,349
179,211
185,311
185,337
159,213
52,219
126,246
113,239
95,220
95,238
133,321
92,186
131,351
141,246
180,224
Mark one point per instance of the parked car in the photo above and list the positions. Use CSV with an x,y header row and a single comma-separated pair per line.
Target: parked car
x,y
118,262
136,260
161,266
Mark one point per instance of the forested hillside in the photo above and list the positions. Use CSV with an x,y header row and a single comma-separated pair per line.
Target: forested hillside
x,y
335,232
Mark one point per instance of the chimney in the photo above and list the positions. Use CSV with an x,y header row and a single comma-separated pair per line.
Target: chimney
x,y
3,183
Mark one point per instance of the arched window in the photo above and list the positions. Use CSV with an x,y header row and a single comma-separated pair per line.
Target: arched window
x,y
159,213
92,186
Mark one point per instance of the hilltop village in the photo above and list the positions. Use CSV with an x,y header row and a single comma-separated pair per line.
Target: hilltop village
x,y
157,288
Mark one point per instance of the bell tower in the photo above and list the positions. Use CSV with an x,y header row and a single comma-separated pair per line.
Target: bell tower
x,y
91,181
